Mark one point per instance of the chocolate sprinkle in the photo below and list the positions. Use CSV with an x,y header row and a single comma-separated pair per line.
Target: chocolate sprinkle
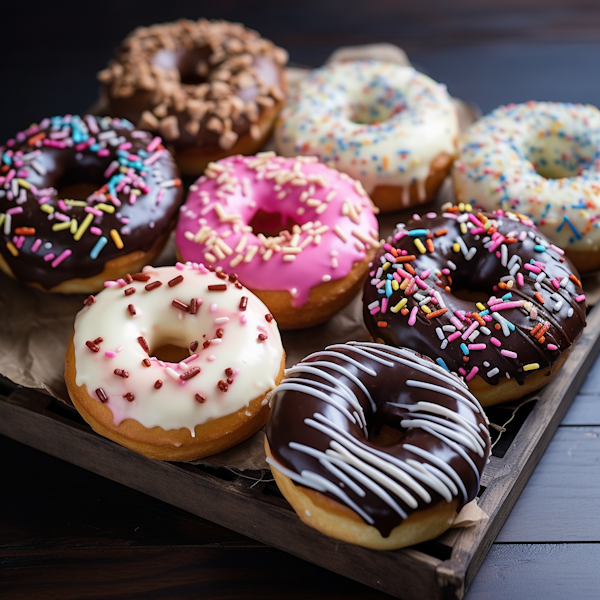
x,y
193,306
93,347
176,280
128,278
158,384
194,346
98,340
146,362
243,302
189,374
122,373
200,398
129,291
153,285
101,395
221,275
144,344
219,287
131,309
140,277
181,305
129,397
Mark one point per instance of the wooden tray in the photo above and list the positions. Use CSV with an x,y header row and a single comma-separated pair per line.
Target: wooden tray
x,y
441,569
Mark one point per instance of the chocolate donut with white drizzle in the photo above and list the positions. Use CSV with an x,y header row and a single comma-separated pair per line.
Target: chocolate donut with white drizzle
x,y
375,445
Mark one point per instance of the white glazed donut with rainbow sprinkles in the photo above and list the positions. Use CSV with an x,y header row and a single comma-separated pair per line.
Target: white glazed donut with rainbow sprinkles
x,y
385,124
174,362
541,159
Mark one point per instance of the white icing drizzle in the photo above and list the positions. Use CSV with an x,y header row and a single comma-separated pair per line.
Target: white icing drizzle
x,y
358,466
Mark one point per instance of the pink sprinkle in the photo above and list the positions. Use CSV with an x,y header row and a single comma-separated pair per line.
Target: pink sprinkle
x,y
111,168
36,245
472,373
579,298
160,195
420,283
404,273
400,235
62,206
18,241
120,348
179,266
61,257
532,268
202,269
556,283
413,316
456,323
455,335
48,257
110,284
125,146
557,249
505,305
508,353
15,210
375,310
384,305
103,152
446,271
472,327
520,279
477,346
387,247
243,319
552,347
496,341
475,220
495,245
96,230
151,147
110,354
493,300
190,358
462,371
94,211
211,357
425,274
213,307
477,230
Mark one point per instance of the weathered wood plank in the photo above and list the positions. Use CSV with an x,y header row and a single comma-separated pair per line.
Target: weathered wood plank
x,y
585,410
561,499
548,571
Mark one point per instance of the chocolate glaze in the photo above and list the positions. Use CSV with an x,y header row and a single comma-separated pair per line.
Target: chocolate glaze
x,y
293,411
482,273
138,224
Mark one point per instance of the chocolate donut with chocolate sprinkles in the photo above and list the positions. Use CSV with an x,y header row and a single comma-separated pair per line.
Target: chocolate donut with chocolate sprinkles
x,y
210,88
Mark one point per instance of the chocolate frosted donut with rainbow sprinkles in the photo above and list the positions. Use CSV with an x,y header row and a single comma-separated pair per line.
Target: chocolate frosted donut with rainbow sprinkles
x,y
541,159
484,294
82,200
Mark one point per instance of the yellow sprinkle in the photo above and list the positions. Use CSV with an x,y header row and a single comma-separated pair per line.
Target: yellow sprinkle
x,y
463,228
456,247
47,208
76,203
420,247
61,226
106,207
12,249
468,207
2,217
74,224
395,285
531,367
487,224
84,225
386,266
461,206
400,304
23,183
426,309
116,238
480,306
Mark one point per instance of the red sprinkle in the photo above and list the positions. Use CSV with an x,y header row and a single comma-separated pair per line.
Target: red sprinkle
x,y
189,374
93,347
243,302
129,291
200,398
262,337
230,380
220,332
128,278
140,277
219,287
221,275
129,397
382,324
269,317
194,346
101,395
144,344
176,280
131,309
222,385
238,285
158,384
233,277
206,344
153,285
122,373
146,362
98,340
229,371
181,305
193,306
89,300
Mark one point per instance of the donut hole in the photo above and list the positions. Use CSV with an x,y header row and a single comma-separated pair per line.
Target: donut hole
x,y
192,65
170,353
557,158
81,181
384,435
270,224
377,102
471,295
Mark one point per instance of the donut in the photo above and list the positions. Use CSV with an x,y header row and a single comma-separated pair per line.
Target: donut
x,y
484,294
299,234
375,445
83,200
209,88
174,362
387,125
541,159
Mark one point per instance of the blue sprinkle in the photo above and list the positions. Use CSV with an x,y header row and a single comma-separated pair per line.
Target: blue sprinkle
x,y
539,248
464,348
440,361
98,247
507,296
388,288
484,312
417,232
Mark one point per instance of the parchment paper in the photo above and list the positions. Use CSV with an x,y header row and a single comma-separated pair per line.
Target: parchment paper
x,y
38,326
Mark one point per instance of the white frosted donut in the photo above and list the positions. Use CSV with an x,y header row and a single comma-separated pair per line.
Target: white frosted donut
x,y
208,400
381,123
541,159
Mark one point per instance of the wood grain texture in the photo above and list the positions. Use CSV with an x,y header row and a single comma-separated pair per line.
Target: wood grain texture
x,y
585,409
539,571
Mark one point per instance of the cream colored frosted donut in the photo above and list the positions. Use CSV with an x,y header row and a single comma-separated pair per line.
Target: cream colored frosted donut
x,y
206,402
385,124
541,159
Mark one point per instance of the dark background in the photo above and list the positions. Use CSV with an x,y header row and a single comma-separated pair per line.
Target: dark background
x,y
67,533
50,51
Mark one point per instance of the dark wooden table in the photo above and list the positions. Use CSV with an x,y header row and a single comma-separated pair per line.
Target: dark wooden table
x,y
66,533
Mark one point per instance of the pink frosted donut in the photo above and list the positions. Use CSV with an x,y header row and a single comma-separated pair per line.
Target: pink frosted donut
x,y
299,234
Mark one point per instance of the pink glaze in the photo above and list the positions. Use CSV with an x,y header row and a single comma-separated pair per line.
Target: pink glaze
x,y
213,224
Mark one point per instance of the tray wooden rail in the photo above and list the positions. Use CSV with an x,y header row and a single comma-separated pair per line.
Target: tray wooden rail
x,y
441,569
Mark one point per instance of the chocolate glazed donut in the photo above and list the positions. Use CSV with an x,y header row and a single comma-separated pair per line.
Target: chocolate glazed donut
x,y
510,343
58,243
376,445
